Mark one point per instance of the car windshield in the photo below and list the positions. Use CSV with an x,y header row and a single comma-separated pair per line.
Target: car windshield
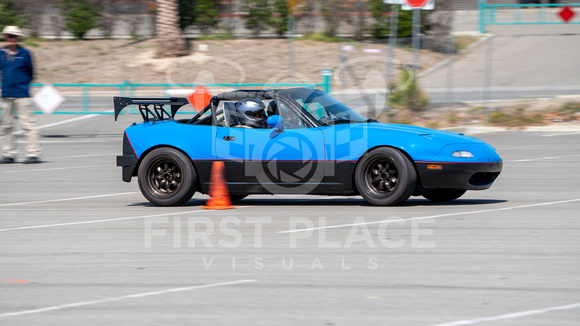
x,y
325,108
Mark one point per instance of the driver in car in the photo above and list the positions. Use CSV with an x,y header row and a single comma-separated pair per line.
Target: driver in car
x,y
251,112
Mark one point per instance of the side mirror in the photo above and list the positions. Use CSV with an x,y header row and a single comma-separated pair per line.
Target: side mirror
x,y
275,122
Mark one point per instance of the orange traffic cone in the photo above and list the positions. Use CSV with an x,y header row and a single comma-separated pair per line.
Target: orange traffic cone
x,y
218,190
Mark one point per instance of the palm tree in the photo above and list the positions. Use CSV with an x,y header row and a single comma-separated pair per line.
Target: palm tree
x,y
170,42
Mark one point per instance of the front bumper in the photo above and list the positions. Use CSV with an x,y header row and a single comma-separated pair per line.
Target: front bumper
x,y
468,176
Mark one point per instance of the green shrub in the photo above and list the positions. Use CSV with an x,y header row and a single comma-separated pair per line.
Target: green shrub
x,y
381,25
187,12
433,124
31,42
280,20
259,16
80,16
499,118
410,97
321,37
206,15
8,15
517,119
452,118
570,107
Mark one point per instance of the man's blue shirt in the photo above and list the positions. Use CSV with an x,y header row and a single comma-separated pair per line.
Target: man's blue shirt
x,y
17,72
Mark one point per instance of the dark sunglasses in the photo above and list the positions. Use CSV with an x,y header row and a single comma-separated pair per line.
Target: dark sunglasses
x,y
11,36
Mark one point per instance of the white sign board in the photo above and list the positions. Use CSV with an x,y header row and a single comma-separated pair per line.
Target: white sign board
x,y
395,2
428,6
48,99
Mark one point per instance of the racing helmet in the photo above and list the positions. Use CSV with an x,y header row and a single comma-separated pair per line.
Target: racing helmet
x,y
251,113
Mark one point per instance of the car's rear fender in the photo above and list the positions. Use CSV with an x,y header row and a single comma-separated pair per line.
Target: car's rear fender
x,y
195,141
144,154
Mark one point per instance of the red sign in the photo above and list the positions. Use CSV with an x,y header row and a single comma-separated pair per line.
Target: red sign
x,y
417,3
566,14
200,98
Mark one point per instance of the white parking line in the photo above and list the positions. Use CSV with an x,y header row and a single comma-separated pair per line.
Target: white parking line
x,y
512,315
69,120
63,122
79,141
434,216
547,158
63,168
109,220
80,156
125,297
69,199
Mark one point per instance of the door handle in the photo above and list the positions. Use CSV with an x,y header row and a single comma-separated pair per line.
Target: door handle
x,y
229,138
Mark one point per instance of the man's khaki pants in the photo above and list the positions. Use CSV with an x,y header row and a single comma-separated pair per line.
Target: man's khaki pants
x,y
21,108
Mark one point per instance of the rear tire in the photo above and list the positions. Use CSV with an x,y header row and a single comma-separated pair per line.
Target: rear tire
x,y
167,177
443,194
385,176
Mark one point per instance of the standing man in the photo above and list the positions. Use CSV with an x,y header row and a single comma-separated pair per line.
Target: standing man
x,y
17,73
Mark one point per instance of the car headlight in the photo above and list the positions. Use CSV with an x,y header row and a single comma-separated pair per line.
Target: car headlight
x,y
462,154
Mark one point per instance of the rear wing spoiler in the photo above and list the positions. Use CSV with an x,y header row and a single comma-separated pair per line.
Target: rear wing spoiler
x,y
157,112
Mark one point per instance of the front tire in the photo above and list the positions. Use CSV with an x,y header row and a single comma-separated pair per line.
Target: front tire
x,y
443,194
167,177
385,176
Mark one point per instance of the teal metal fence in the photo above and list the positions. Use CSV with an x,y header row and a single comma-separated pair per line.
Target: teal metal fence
x,y
128,89
488,14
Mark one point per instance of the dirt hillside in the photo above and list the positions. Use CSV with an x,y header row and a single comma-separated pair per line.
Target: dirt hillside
x,y
231,61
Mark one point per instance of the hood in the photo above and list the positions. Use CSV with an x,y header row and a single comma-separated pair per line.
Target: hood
x,y
350,141
440,136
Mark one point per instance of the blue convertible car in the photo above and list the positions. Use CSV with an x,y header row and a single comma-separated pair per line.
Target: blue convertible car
x,y
296,141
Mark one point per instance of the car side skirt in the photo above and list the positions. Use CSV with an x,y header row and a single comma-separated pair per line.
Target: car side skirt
x,y
248,177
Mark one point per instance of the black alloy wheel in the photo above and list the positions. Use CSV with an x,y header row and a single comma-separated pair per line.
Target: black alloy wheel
x,y
167,177
385,176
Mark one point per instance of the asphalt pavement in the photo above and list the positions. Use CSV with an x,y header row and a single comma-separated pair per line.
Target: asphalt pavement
x,y
78,245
